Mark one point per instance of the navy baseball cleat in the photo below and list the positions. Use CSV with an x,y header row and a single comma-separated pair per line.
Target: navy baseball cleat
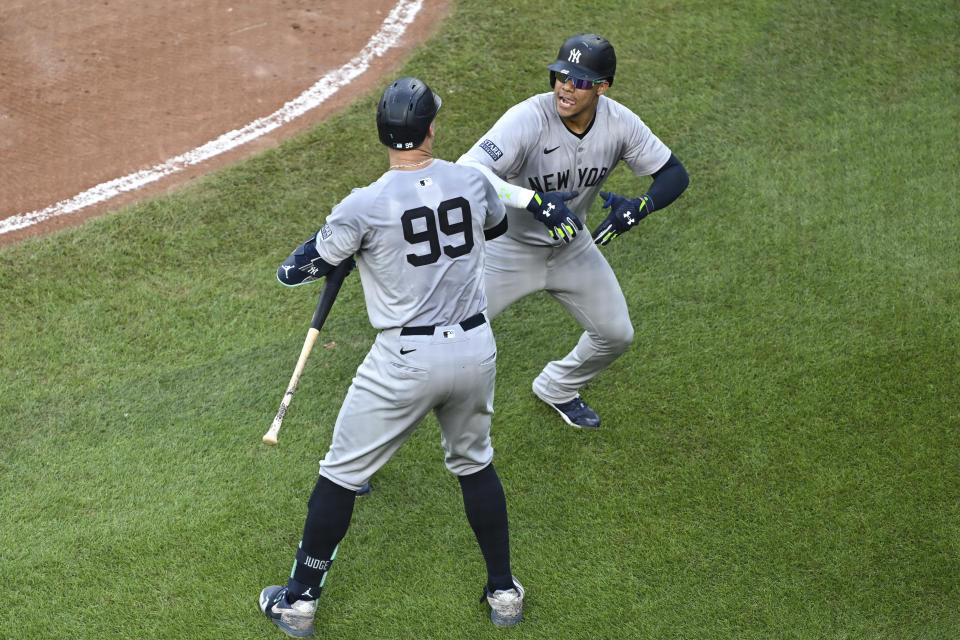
x,y
295,620
576,413
506,605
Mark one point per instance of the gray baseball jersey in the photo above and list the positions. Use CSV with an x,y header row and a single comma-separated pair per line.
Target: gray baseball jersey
x,y
418,239
420,250
529,146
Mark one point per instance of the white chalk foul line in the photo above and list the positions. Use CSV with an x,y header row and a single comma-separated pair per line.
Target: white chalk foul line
x,y
392,29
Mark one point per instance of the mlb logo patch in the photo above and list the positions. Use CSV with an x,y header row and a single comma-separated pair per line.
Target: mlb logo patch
x,y
492,150
426,182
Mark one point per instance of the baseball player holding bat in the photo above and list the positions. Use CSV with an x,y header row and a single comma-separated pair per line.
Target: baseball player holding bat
x,y
550,155
418,234
331,287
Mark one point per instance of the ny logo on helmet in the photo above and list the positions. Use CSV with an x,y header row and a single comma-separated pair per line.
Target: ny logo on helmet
x,y
574,56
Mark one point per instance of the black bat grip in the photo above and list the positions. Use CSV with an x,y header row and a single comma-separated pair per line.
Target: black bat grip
x,y
331,287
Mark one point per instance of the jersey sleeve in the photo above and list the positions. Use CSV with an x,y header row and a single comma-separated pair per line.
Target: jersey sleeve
x,y
504,147
342,234
644,152
496,211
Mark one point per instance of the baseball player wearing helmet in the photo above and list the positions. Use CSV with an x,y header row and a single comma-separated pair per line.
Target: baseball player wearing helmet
x,y
551,154
418,234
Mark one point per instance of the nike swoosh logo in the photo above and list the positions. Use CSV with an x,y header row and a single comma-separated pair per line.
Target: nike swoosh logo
x,y
546,151
404,352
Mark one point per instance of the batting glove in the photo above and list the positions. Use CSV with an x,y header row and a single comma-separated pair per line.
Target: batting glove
x,y
625,213
551,210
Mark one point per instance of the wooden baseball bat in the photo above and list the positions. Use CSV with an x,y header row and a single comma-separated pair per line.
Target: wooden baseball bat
x,y
331,287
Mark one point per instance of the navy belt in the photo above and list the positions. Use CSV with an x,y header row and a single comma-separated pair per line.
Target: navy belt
x,y
472,322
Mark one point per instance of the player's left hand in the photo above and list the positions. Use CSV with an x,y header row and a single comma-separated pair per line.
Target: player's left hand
x,y
625,213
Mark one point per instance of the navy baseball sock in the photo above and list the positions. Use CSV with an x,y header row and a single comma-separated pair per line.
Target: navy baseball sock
x,y
328,518
486,509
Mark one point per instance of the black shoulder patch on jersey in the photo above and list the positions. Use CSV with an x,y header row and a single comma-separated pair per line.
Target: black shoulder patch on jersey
x,y
491,149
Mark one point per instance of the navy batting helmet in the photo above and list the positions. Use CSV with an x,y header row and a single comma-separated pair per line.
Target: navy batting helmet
x,y
406,109
586,56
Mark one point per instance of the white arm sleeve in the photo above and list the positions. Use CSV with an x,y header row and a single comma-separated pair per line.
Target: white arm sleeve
x,y
509,194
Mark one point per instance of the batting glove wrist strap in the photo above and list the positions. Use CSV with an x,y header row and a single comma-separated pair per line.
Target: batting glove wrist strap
x,y
625,213
551,210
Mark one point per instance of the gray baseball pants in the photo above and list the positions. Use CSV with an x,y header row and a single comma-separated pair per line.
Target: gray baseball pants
x,y
450,372
579,278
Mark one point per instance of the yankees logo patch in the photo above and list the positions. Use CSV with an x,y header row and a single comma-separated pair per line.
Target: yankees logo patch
x,y
325,232
492,150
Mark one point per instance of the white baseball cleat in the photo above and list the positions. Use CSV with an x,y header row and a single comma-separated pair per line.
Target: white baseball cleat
x,y
506,605
295,620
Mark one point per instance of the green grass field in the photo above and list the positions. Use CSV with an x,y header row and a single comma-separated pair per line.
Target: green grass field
x,y
780,455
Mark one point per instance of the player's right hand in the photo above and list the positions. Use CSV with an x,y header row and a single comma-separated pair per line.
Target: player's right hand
x,y
552,211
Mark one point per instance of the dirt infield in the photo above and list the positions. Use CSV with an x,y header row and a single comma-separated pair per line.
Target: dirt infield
x,y
94,91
